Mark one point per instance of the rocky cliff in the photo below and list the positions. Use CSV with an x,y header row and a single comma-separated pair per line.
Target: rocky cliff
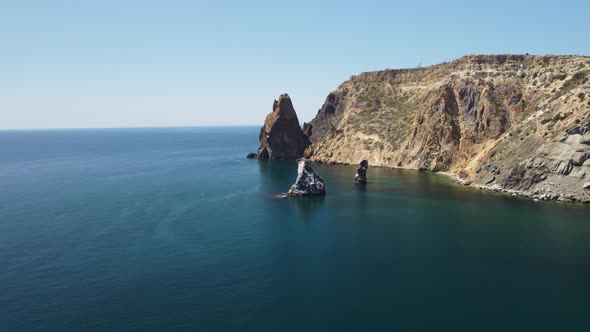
x,y
281,136
516,123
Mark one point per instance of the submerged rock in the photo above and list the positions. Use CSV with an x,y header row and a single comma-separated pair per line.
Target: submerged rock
x,y
361,172
251,155
281,137
308,181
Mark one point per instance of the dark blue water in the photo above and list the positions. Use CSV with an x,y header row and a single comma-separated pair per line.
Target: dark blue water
x,y
173,229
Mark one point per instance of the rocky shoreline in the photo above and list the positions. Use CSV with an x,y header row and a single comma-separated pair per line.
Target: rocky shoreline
x,y
535,195
513,124
547,195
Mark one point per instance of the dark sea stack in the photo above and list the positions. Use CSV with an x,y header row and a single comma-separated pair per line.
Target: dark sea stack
x,y
281,136
251,155
308,182
361,172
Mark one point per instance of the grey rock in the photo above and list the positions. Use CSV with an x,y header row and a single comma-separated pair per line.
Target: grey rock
x,y
308,182
251,155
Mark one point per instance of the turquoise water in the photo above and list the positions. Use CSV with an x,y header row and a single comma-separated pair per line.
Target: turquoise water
x,y
173,229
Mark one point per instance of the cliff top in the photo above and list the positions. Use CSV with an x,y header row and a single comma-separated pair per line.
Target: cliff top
x,y
484,59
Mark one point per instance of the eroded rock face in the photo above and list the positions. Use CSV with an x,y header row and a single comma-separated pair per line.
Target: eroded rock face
x,y
557,168
361,172
281,136
515,123
308,182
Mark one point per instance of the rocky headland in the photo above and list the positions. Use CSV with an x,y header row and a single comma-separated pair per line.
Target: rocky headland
x,y
513,123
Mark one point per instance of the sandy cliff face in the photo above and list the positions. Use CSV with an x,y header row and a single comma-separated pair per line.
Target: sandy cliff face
x,y
508,122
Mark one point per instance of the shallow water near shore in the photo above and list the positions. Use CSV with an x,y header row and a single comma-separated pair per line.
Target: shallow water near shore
x,y
161,229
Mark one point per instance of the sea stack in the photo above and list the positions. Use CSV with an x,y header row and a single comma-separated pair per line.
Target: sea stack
x,y
361,172
281,136
308,182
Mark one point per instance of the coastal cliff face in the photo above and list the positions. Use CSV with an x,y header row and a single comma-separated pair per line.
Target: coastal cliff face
x,y
281,136
514,123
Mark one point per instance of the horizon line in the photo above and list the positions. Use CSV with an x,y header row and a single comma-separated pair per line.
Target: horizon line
x,y
125,127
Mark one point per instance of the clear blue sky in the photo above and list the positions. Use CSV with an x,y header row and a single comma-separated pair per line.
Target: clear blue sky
x,y
189,63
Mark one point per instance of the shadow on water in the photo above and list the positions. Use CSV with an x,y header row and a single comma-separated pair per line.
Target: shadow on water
x,y
278,175
361,187
308,207
362,190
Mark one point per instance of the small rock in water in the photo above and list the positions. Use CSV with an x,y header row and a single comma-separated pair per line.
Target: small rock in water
x,y
361,172
251,155
308,181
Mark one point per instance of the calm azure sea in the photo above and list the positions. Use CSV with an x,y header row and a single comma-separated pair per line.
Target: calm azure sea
x,y
174,229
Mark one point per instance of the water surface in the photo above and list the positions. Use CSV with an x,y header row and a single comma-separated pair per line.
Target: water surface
x,y
135,229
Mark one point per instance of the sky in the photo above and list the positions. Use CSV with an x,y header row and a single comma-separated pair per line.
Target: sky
x,y
96,64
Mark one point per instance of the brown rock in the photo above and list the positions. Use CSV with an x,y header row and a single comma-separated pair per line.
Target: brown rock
x,y
281,136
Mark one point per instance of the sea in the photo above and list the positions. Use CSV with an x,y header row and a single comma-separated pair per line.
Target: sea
x,y
173,229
